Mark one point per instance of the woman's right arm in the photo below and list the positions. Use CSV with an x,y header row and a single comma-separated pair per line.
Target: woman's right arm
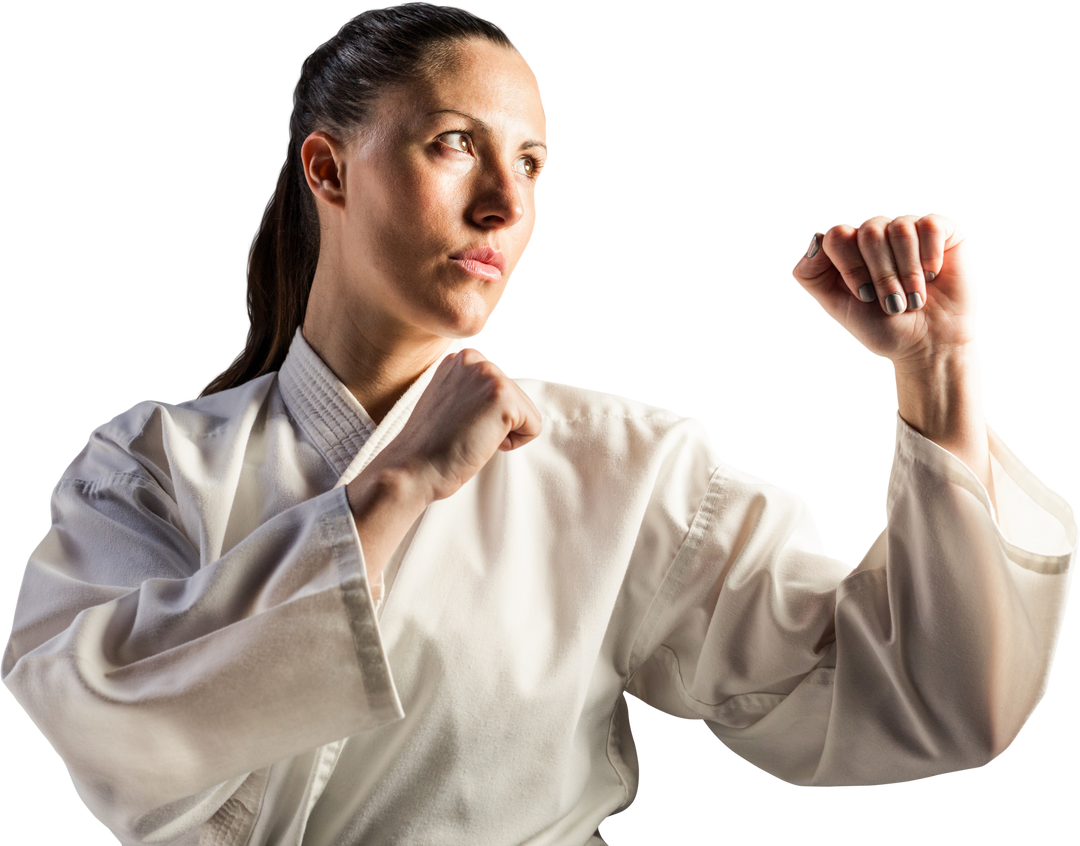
x,y
164,672
162,680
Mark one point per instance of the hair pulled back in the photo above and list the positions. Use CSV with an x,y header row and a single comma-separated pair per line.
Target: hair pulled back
x,y
339,84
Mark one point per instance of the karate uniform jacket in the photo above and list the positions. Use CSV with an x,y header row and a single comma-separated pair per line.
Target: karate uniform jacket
x,y
197,639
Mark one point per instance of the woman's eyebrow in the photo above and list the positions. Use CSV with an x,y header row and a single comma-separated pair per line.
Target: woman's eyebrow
x,y
524,146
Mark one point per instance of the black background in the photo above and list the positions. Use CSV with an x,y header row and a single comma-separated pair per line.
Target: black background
x,y
691,159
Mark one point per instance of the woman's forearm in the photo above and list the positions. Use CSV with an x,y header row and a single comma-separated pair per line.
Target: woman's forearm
x,y
384,503
939,396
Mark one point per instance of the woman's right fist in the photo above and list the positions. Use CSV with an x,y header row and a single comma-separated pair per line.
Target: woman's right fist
x,y
468,411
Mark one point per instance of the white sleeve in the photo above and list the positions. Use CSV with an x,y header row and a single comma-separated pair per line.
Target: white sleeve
x,y
162,684
928,657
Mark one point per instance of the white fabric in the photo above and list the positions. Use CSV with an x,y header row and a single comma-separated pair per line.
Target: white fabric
x,y
196,637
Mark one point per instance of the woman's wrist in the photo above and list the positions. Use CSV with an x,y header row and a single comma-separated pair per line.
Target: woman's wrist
x,y
385,502
938,392
938,395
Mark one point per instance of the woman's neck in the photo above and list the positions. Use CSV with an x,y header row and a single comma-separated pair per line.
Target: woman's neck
x,y
377,374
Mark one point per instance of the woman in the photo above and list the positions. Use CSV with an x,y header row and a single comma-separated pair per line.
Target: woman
x,y
217,670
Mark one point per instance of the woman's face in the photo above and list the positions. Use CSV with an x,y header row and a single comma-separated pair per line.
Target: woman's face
x,y
439,194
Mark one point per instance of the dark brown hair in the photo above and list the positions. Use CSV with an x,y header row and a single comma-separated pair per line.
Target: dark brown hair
x,y
339,84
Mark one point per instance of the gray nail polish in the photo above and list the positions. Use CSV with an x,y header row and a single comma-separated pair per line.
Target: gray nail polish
x,y
930,276
815,245
866,293
894,304
914,301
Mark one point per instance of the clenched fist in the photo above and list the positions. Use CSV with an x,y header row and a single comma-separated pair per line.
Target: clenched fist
x,y
470,410
899,286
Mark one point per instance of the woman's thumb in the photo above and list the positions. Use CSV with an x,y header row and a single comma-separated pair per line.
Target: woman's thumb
x,y
812,269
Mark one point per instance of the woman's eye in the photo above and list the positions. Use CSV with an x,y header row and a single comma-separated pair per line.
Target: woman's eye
x,y
458,141
531,166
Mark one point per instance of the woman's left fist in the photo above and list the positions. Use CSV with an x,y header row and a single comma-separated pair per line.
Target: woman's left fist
x,y
899,286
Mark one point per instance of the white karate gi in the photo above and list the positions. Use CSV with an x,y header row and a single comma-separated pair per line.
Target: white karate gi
x,y
196,637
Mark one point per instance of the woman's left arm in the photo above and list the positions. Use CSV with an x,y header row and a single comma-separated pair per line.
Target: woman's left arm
x,y
902,288
928,656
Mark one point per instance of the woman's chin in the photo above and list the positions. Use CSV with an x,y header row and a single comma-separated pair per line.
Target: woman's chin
x,y
464,328
465,318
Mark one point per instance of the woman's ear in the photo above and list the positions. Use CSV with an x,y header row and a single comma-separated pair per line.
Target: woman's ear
x,y
324,167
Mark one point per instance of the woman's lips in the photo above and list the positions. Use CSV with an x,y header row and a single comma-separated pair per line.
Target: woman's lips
x,y
483,262
479,268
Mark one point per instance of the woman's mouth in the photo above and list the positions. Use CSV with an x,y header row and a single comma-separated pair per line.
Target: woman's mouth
x,y
482,262
479,268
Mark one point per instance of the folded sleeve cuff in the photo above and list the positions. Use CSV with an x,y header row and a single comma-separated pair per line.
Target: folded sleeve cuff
x,y
362,609
1035,525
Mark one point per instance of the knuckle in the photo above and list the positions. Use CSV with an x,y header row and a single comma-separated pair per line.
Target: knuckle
x,y
901,227
496,386
872,231
486,371
932,225
912,281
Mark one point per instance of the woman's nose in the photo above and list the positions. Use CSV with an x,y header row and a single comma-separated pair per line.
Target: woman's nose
x,y
498,204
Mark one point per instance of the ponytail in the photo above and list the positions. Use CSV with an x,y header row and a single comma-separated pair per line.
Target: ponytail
x,y
281,266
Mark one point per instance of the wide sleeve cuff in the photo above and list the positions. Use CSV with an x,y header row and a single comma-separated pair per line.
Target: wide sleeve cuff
x,y
1035,526
156,694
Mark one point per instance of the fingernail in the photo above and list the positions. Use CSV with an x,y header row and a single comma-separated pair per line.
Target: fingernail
x,y
815,245
894,304
866,293
914,301
930,276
